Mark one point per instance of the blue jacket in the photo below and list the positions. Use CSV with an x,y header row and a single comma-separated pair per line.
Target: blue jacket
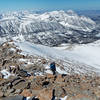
x,y
52,66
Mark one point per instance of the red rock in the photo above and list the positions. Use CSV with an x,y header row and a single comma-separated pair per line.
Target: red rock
x,y
59,78
81,97
26,93
50,76
45,94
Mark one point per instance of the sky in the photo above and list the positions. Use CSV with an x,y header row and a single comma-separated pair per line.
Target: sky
x,y
13,5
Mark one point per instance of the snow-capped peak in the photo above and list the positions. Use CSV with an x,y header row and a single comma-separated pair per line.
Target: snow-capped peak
x,y
71,12
67,19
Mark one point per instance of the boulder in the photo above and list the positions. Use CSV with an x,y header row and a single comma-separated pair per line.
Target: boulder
x,y
45,94
17,81
1,94
82,97
60,92
22,73
10,91
21,85
1,75
18,97
26,93
18,91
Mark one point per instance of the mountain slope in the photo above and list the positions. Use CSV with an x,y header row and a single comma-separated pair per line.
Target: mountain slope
x,y
80,59
30,76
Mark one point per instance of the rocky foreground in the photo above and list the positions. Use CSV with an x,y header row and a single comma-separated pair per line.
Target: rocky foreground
x,y
22,79
75,87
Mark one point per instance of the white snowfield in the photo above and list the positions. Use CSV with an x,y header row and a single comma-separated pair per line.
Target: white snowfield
x,y
88,54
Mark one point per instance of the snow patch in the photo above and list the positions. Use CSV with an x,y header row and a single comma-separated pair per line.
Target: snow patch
x,y
27,98
26,61
19,37
98,35
13,49
65,98
6,74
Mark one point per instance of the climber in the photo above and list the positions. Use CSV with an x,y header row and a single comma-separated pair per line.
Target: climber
x,y
53,68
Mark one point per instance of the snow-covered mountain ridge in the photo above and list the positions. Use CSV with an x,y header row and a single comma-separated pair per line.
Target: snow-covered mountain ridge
x,y
68,19
49,28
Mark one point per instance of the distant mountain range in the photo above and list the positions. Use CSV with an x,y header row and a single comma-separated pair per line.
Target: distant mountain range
x,y
49,28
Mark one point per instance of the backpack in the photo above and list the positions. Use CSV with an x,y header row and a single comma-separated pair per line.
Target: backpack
x,y
52,66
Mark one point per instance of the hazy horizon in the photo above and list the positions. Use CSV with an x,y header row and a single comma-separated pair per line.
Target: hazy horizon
x,y
18,5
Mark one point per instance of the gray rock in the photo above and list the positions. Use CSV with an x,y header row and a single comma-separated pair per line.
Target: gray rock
x,y
17,81
1,94
18,97
18,91
22,73
11,90
59,91
1,75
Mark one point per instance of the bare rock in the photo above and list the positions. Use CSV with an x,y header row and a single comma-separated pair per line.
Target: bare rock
x,y
26,93
1,94
1,75
21,85
82,97
60,92
22,73
45,94
18,97
18,91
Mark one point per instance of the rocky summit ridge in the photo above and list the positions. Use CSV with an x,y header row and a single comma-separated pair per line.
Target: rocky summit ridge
x,y
25,77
